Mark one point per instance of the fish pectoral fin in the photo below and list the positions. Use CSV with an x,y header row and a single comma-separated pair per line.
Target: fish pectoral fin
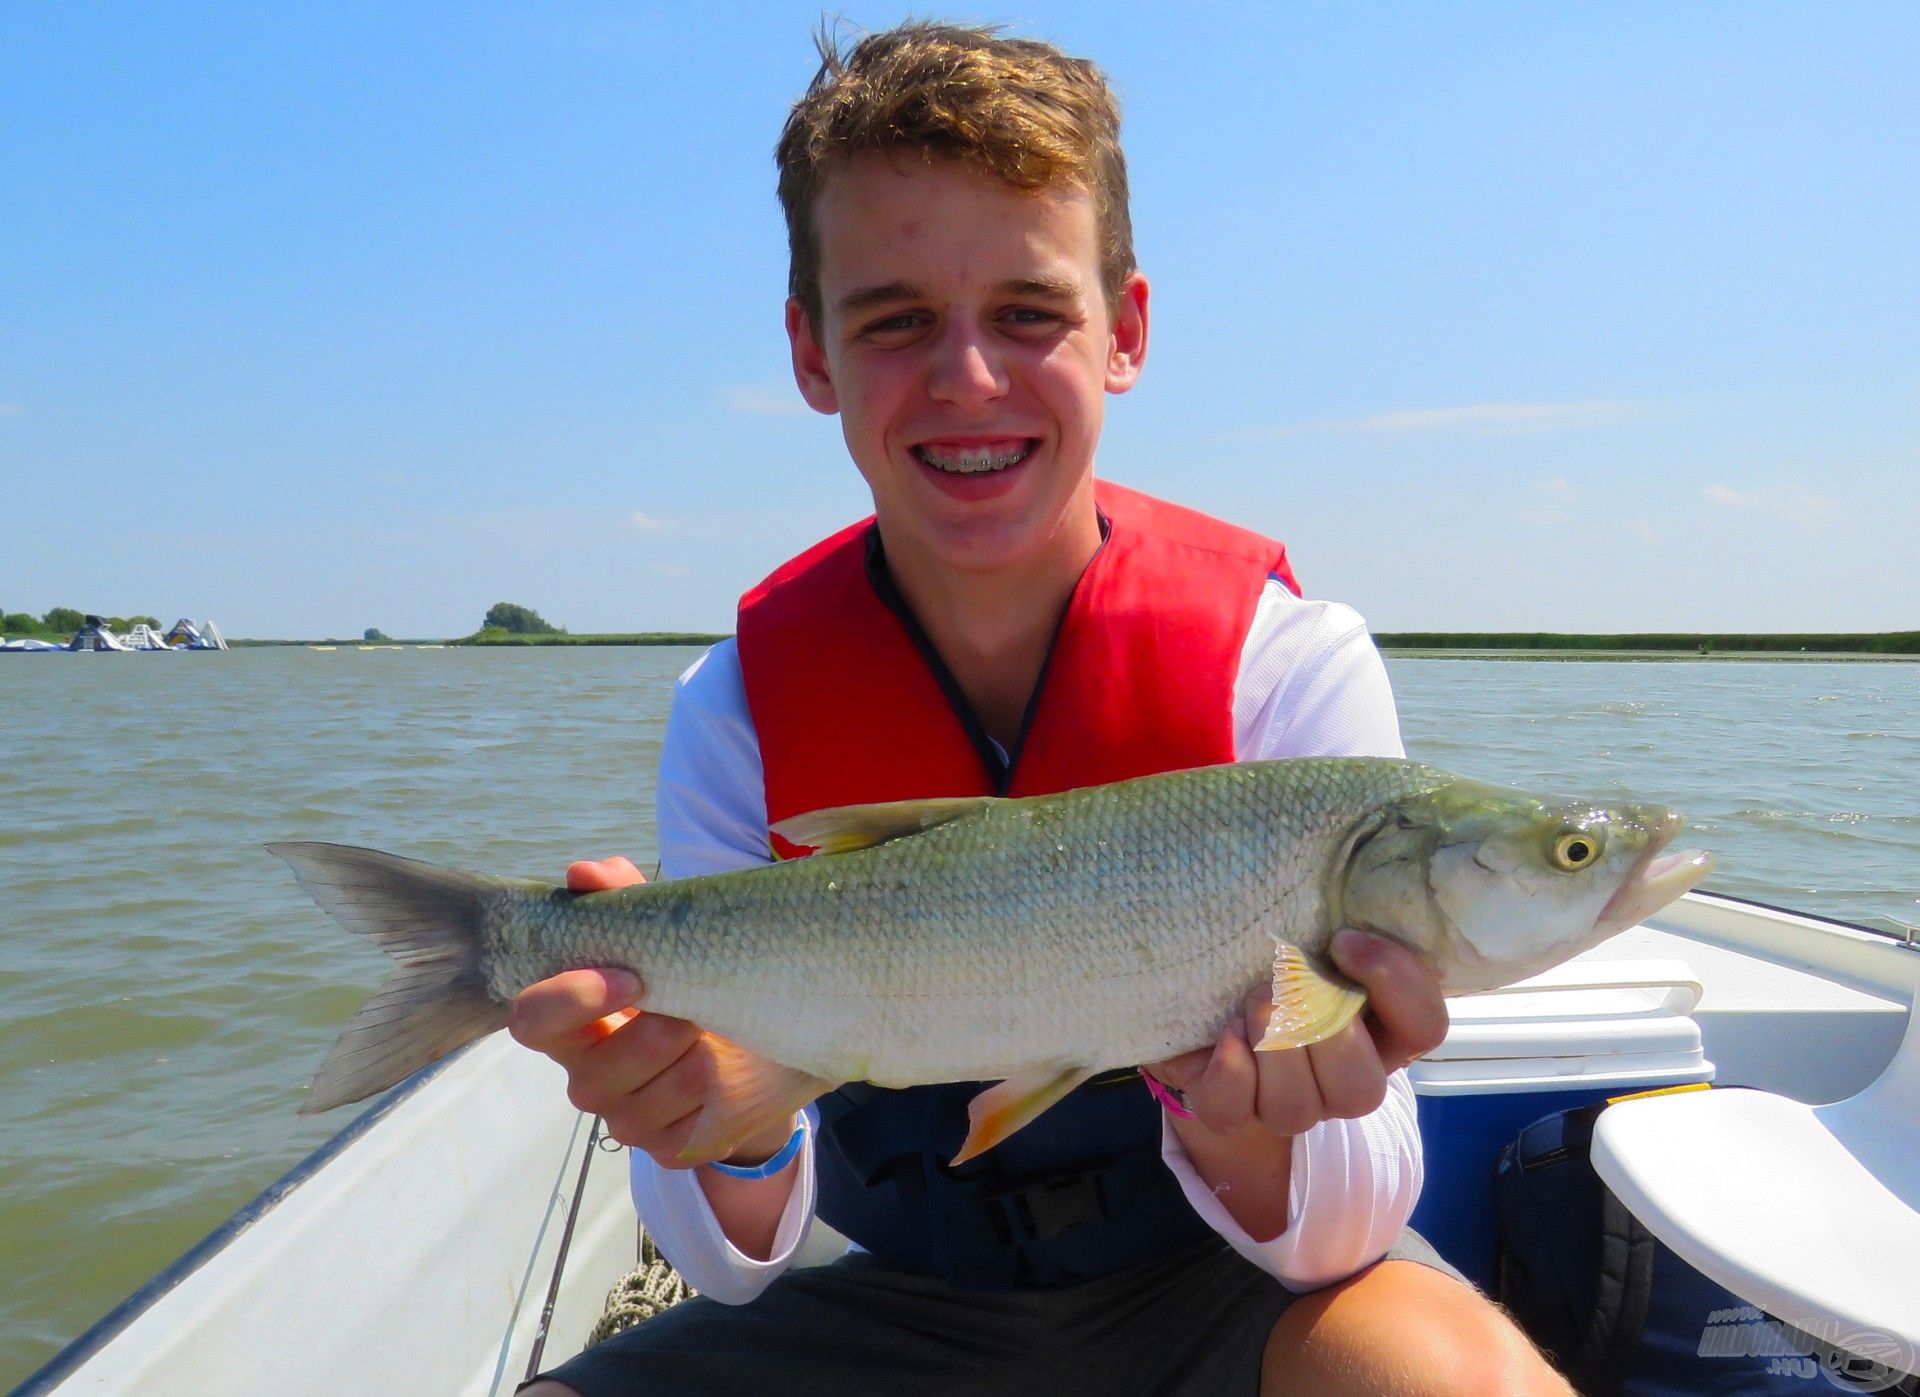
x,y
1308,1006
848,827
750,1094
1003,1108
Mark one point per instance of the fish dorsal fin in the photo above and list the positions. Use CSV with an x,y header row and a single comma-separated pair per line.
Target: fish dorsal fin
x,y
848,827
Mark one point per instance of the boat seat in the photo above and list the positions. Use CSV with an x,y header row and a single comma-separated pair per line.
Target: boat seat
x,y
1811,1213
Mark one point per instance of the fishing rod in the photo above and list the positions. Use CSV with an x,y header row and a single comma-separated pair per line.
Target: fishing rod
x,y
560,1260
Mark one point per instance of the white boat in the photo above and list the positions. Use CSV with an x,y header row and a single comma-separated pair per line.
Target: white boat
x,y
465,1230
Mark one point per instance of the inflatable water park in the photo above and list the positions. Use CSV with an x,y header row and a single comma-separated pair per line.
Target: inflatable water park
x,y
96,637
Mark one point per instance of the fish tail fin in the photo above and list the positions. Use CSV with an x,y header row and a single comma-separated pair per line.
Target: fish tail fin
x,y
428,919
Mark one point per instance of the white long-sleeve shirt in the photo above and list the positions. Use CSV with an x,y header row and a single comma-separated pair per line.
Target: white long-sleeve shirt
x,y
1310,683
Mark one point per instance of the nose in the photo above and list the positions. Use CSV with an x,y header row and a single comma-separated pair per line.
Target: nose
x,y
967,369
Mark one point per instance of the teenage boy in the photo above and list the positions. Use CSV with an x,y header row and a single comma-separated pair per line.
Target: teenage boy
x,y
964,295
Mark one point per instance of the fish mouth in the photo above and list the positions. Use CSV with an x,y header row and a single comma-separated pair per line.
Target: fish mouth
x,y
1655,879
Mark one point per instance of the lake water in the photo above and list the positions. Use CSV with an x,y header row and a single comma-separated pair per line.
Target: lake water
x,y
166,989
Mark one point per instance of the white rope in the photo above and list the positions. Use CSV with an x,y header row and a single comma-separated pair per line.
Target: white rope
x,y
654,1287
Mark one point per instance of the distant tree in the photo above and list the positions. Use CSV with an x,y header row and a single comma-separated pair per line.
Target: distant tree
x,y
518,620
374,634
14,622
153,621
63,618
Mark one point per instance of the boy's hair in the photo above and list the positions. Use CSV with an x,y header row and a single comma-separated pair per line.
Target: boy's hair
x,y
1018,109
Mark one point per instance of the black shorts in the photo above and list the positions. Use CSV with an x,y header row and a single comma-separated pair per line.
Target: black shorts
x,y
1196,1324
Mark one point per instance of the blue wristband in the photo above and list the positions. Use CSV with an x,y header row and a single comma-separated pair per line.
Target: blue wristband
x,y
770,1167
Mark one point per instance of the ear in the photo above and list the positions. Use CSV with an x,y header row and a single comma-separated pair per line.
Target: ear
x,y
1127,336
809,361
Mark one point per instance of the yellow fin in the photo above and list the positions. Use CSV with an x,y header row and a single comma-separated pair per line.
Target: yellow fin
x,y
849,827
750,1095
1307,1006
1003,1108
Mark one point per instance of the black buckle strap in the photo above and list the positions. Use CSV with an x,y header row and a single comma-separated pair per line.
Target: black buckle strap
x,y
1044,1208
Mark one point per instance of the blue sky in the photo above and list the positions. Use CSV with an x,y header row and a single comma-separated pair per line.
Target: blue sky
x,y
1568,316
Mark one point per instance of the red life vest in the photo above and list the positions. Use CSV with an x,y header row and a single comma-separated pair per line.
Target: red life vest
x,y
851,705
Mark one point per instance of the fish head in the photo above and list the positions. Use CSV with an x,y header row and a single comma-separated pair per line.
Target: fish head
x,y
1492,885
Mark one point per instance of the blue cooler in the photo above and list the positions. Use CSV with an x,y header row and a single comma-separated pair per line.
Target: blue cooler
x,y
1580,1032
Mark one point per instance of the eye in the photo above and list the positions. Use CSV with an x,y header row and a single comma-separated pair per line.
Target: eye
x,y
1576,849
1036,324
894,327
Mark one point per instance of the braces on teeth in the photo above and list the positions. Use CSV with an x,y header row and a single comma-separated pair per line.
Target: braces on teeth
x,y
974,463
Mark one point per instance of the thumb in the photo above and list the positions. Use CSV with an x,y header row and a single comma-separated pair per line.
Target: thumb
x,y
602,875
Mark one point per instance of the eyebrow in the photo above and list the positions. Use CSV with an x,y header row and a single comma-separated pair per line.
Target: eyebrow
x,y
869,296
1053,288
892,292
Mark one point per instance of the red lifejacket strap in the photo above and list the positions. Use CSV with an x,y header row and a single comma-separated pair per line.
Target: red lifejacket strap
x,y
851,706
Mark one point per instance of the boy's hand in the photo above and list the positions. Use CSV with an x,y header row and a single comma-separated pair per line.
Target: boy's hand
x,y
647,1075
1232,1089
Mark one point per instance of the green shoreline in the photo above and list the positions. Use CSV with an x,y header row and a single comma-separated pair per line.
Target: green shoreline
x,y
1837,642
633,638
701,638
1515,645
1652,657
1656,645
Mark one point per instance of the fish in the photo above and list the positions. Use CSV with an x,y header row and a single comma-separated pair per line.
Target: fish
x,y
1029,942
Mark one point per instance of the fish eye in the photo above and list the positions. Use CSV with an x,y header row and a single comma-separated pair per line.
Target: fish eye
x,y
1576,849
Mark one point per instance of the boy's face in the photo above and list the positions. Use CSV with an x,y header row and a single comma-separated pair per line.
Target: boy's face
x,y
968,348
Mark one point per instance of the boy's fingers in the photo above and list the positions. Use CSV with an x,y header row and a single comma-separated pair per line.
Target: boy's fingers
x,y
664,1143
1286,1096
602,875
1180,1072
648,1086
1351,1079
551,1016
1222,1096
1409,1018
602,1029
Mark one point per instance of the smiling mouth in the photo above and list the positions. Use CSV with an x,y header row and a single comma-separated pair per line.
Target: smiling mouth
x,y
956,459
